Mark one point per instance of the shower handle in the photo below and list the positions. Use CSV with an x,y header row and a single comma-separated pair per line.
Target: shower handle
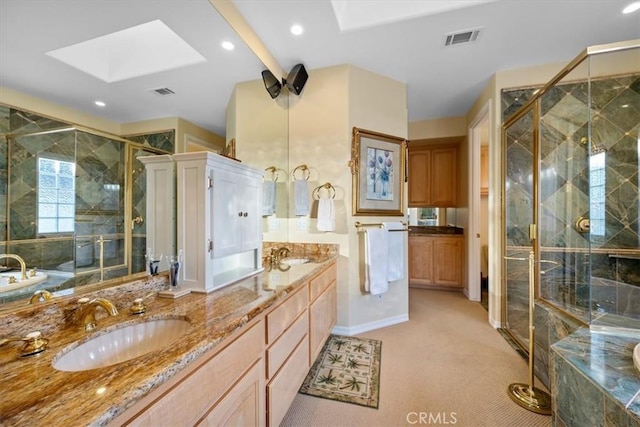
x,y
137,220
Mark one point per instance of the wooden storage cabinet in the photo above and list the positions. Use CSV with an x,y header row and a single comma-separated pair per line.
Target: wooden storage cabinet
x,y
219,221
433,175
436,261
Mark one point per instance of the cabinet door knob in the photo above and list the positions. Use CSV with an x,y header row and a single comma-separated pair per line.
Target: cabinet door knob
x,y
239,213
245,214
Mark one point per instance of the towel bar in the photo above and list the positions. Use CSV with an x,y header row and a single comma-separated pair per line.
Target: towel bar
x,y
328,186
305,172
360,226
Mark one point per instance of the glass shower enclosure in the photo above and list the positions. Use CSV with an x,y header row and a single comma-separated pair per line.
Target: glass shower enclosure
x,y
571,177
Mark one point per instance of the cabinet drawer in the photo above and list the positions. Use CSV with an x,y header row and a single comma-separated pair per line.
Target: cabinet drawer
x,y
190,399
322,281
280,318
282,348
283,388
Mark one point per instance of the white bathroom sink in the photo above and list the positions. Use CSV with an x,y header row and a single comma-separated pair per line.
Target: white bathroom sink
x,y
294,261
120,345
636,356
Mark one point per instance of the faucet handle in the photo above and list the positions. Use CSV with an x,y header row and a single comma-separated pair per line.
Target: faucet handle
x,y
138,306
34,343
40,295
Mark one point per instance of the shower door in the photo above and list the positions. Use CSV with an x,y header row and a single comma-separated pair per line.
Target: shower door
x,y
518,215
138,209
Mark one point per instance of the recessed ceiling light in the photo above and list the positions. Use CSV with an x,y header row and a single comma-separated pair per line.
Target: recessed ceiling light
x,y
100,103
227,45
296,29
632,7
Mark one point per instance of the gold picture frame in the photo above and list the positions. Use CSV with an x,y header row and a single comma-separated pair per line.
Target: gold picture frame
x,y
378,169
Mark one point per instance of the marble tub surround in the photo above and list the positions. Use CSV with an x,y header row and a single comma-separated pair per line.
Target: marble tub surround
x,y
34,393
594,380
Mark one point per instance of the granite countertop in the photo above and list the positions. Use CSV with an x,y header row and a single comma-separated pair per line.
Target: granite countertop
x,y
34,393
434,230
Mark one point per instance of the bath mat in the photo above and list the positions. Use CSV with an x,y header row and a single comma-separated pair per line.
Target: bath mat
x,y
348,370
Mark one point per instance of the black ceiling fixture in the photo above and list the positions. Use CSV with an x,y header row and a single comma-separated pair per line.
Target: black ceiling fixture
x,y
295,81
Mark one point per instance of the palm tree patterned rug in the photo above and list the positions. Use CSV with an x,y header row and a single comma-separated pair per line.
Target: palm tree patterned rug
x,y
348,370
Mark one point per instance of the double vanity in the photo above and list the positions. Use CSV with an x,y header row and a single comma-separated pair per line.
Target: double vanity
x,y
238,353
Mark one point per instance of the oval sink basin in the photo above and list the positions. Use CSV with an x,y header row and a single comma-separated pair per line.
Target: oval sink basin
x,y
121,344
294,261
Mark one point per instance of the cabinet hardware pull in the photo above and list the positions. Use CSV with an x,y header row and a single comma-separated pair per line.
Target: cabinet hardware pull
x,y
239,213
210,245
209,183
245,214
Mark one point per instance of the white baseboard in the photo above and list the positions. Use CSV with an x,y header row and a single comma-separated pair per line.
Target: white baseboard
x,y
355,330
496,324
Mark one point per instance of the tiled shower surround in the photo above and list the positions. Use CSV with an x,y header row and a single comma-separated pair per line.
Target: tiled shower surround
x,y
100,174
592,276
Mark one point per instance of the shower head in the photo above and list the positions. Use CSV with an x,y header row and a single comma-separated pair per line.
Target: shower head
x,y
594,148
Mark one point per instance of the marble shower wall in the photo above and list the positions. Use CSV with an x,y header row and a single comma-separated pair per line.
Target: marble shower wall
x,y
594,275
100,169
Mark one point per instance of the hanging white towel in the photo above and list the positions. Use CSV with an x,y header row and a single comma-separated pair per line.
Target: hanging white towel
x,y
376,267
326,215
396,250
268,198
301,192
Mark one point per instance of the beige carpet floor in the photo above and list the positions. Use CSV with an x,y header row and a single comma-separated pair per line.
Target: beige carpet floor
x,y
445,366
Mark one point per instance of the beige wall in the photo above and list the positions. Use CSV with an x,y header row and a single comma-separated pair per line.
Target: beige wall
x,y
259,125
334,100
84,119
49,109
438,128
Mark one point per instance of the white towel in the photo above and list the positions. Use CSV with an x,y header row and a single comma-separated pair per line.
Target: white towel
x,y
268,198
376,253
326,215
301,192
396,251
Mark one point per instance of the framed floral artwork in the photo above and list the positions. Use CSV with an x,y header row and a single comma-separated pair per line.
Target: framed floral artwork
x,y
377,165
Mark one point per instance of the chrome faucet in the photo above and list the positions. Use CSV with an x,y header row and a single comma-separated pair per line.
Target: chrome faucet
x,y
87,311
23,265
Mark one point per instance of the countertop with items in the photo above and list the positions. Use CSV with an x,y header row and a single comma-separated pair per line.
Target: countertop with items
x,y
435,230
35,393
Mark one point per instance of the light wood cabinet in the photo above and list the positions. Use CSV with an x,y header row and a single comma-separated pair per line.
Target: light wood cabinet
x,y
433,175
484,170
322,310
226,386
436,261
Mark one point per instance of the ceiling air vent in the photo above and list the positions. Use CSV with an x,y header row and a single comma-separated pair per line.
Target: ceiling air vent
x,y
163,91
461,37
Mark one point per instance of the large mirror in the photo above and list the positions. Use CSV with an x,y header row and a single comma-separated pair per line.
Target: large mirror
x,y
72,198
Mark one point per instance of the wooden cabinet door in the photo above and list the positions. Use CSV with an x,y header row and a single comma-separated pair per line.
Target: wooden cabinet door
x,y
443,178
448,257
419,162
484,170
243,405
420,260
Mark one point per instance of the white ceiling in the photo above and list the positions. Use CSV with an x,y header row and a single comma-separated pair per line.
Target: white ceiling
x,y
441,82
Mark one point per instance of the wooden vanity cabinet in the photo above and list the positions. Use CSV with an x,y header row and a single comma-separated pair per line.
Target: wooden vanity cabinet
x,y
436,261
252,380
433,175
322,309
225,387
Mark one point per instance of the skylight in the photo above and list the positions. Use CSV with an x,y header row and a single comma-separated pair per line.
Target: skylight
x,y
133,52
